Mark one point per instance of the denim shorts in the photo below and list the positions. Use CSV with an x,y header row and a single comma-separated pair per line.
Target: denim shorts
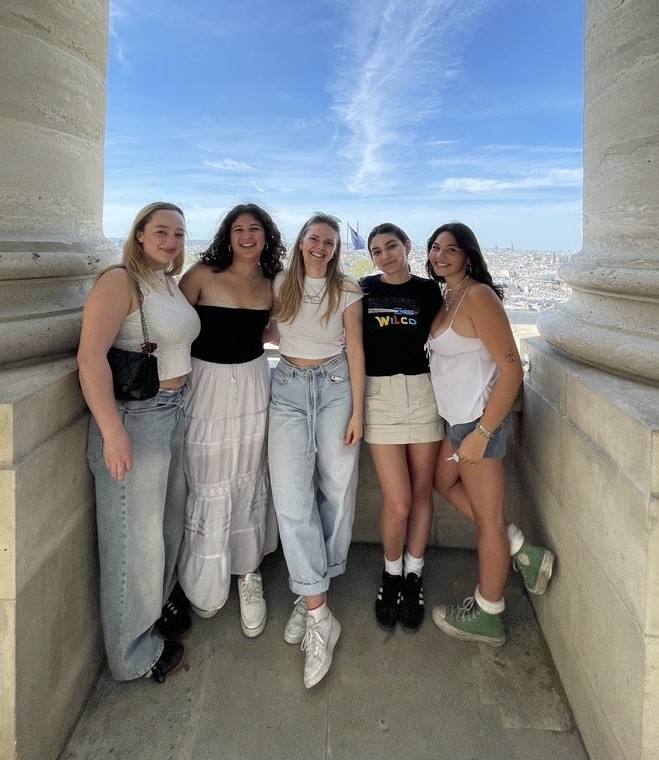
x,y
496,447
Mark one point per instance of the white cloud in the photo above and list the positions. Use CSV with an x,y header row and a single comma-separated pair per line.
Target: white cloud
x,y
552,178
394,67
228,164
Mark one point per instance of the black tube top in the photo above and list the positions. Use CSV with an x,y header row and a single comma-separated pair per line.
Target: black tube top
x,y
230,336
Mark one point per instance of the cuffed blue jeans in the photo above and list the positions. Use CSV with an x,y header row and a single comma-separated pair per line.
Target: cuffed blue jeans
x,y
313,473
140,527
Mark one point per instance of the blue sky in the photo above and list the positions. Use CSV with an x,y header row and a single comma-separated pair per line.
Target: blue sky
x,y
411,111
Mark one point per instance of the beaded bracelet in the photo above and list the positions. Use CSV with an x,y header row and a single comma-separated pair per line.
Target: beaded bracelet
x,y
484,431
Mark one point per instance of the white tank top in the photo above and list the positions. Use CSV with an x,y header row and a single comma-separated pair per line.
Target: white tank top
x,y
463,373
171,323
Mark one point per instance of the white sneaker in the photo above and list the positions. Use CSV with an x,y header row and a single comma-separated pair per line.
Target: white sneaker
x,y
203,613
319,642
253,611
296,626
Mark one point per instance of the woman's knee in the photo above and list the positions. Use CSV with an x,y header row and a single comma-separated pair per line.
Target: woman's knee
x,y
395,511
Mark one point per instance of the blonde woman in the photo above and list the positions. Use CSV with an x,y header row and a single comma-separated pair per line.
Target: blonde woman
x,y
135,448
314,430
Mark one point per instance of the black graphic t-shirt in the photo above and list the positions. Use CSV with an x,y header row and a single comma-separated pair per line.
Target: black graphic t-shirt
x,y
397,321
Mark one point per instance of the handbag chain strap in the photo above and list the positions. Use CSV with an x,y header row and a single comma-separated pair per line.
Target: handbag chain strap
x,y
147,346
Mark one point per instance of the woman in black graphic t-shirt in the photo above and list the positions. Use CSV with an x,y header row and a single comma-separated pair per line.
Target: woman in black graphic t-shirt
x,y
402,426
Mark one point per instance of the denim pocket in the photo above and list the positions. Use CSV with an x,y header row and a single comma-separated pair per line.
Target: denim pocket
x,y
281,376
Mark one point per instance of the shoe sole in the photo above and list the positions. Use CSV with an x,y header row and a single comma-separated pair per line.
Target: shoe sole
x,y
297,638
456,633
336,632
253,632
544,574
205,614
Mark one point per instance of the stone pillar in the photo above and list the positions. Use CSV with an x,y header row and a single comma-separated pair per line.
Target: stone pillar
x,y
612,319
52,120
52,117
586,459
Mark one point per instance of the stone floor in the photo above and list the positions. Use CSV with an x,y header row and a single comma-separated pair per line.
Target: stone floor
x,y
393,696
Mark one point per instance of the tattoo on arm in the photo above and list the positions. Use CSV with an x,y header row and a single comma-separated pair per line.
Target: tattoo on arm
x,y
511,356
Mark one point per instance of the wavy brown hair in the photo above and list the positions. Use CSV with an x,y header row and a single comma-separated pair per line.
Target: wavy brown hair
x,y
219,255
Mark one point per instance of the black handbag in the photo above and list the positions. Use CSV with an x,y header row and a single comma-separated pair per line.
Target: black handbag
x,y
135,373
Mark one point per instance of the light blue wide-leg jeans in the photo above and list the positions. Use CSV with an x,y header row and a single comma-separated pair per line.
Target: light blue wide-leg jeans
x,y
313,474
140,528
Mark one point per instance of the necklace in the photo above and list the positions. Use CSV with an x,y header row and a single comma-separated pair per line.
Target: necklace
x,y
314,298
448,301
247,279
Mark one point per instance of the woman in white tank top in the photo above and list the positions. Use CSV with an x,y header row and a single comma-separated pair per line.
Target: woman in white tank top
x,y
135,448
476,373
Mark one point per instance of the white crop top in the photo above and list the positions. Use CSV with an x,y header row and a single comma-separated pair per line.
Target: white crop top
x,y
171,323
463,374
307,336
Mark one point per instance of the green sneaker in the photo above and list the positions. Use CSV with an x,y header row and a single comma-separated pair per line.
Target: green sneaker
x,y
536,566
469,622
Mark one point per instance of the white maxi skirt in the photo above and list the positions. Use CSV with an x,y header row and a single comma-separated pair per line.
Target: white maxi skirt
x,y
230,523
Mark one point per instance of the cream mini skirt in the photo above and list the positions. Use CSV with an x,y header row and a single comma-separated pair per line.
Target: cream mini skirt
x,y
401,409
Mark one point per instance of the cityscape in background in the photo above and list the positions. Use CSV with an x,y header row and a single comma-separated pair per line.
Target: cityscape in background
x,y
529,277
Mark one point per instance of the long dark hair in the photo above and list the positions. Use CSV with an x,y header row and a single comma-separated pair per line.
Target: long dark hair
x,y
467,242
219,255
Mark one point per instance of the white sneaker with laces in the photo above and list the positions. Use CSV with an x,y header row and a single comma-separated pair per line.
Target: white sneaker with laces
x,y
319,642
296,626
253,610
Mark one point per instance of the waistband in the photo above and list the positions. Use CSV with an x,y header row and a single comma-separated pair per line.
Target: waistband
x,y
324,369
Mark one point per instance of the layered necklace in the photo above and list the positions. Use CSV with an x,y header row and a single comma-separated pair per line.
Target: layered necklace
x,y
317,297
450,297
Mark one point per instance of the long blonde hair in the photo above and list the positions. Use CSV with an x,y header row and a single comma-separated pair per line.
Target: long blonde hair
x,y
291,292
134,258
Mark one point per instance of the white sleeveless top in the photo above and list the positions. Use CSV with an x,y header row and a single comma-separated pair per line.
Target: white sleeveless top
x,y
463,373
171,323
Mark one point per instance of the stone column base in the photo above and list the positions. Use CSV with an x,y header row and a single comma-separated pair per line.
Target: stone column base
x,y
587,460
50,646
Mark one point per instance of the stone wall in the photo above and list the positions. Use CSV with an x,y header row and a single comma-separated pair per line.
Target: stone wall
x,y
50,647
587,483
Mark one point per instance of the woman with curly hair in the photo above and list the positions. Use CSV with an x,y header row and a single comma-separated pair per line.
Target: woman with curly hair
x,y
230,524
314,430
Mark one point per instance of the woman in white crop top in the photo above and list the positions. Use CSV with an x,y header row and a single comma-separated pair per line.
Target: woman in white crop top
x,y
135,448
314,430
476,373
